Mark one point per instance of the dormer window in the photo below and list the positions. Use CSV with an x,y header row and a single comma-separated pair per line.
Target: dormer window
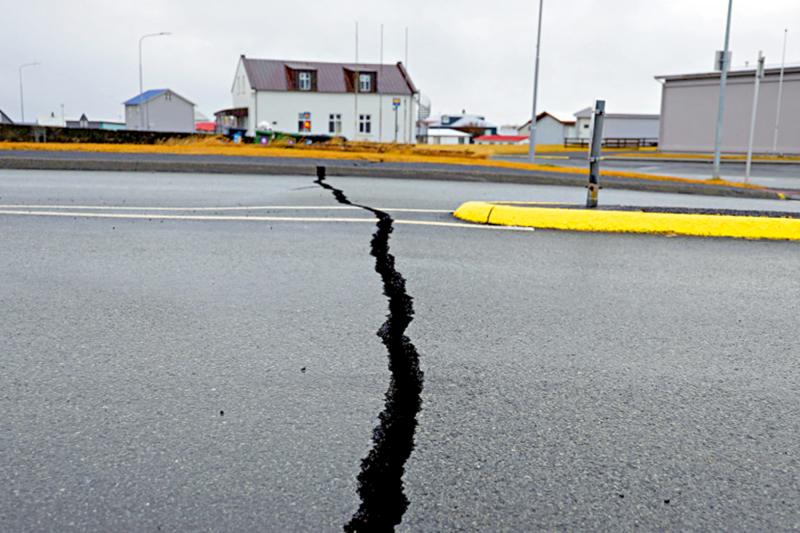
x,y
365,83
304,81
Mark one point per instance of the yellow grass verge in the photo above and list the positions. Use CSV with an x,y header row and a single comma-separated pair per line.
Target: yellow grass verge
x,y
544,217
472,155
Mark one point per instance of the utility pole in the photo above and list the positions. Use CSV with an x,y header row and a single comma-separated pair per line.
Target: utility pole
x,y
532,139
723,80
753,117
780,95
594,153
142,120
356,88
22,90
380,94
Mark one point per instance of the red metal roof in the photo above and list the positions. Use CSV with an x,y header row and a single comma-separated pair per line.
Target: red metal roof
x,y
271,75
205,126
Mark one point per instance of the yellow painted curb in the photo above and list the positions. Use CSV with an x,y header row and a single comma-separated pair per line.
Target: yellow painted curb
x,y
740,227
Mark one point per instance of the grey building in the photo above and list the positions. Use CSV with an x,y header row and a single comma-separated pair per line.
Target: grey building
x,y
689,104
549,129
618,125
5,119
159,110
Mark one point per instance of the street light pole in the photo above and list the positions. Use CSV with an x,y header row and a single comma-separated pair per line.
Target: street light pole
x,y
22,90
780,95
723,79
754,116
532,139
142,123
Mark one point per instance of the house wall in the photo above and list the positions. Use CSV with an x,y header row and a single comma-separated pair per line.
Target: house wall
x,y
630,128
283,108
444,139
549,131
689,115
173,115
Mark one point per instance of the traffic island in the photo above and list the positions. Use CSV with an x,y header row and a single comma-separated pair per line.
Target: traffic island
x,y
623,219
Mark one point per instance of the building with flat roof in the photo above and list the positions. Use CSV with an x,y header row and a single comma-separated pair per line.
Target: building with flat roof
x,y
689,107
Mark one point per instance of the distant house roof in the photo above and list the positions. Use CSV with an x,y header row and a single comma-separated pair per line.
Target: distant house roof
x,y
273,75
544,114
5,119
149,95
205,126
446,132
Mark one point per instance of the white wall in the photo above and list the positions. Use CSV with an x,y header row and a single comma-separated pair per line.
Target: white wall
x,y
171,115
284,108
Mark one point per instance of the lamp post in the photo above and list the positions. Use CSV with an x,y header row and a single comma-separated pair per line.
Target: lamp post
x,y
723,79
780,95
22,90
532,139
142,119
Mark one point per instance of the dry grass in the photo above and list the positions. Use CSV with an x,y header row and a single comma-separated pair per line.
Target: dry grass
x,y
472,155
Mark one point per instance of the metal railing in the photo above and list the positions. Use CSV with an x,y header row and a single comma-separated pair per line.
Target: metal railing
x,y
613,142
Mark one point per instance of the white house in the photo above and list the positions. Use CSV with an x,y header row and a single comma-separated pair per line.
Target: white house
x,y
363,102
5,119
446,136
618,125
159,110
549,129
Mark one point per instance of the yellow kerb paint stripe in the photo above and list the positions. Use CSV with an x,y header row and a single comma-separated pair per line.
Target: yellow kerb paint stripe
x,y
741,227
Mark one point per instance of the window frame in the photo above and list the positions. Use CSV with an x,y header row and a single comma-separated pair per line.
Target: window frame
x,y
302,119
365,82
335,123
365,124
305,80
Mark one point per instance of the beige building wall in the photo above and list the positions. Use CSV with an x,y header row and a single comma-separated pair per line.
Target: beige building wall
x,y
689,113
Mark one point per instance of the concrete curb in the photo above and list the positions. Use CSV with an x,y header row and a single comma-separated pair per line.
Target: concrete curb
x,y
545,216
88,161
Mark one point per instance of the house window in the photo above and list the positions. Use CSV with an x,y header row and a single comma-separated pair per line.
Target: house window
x,y
365,83
304,81
168,96
365,123
335,123
304,123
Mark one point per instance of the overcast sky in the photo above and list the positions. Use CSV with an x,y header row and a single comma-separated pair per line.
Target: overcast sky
x,y
474,55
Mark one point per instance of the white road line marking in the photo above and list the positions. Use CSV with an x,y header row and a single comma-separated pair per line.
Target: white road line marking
x,y
141,216
228,208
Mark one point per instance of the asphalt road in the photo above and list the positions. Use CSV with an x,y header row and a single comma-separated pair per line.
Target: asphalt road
x,y
184,369
783,176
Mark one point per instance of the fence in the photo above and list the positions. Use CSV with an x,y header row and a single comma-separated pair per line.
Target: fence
x,y
613,142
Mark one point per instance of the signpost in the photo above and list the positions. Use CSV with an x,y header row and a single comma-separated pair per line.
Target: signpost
x,y
594,153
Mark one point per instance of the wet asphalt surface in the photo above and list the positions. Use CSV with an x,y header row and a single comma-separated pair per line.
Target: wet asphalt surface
x,y
225,375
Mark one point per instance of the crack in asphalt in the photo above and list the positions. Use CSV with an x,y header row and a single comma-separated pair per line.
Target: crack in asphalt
x,y
380,483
